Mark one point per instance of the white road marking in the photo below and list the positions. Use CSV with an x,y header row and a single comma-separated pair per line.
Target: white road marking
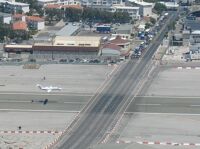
x,y
29,110
188,68
15,101
143,104
179,114
170,97
194,105
75,102
179,67
197,67
44,94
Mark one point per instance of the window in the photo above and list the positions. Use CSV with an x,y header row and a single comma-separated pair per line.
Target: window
x,y
70,44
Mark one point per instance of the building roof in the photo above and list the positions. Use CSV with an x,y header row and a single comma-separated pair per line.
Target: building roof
x,y
118,40
72,6
14,3
35,18
196,32
17,15
125,7
46,0
77,41
170,4
53,6
20,25
67,30
4,14
193,24
111,46
142,3
15,48
58,6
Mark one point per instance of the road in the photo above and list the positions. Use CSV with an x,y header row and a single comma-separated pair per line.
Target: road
x,y
179,105
106,106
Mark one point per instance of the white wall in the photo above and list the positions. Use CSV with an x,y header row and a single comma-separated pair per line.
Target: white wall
x,y
110,52
147,11
7,20
25,9
40,25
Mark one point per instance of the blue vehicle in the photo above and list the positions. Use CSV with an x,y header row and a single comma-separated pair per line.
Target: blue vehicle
x,y
103,29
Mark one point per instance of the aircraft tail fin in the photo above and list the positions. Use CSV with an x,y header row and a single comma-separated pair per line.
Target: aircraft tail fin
x,y
40,86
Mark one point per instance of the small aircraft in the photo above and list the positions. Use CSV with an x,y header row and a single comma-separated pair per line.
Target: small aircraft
x,y
48,88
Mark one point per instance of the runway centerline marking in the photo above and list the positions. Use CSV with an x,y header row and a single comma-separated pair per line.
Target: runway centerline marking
x,y
169,97
44,94
29,110
179,114
143,104
194,105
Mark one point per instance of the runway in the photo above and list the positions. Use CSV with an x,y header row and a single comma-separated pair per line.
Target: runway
x,y
186,105
34,102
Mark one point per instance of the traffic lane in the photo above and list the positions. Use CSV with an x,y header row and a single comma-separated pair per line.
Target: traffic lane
x,y
94,119
165,105
40,106
8,97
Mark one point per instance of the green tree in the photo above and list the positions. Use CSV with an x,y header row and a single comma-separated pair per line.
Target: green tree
x,y
159,8
73,15
152,20
50,15
121,17
147,25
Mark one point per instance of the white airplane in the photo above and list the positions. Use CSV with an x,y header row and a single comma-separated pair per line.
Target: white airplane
x,y
48,88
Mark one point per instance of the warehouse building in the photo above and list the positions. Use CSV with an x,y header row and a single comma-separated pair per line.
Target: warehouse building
x,y
62,47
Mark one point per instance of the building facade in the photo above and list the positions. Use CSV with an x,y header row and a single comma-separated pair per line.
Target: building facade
x,y
35,22
10,6
59,2
132,11
5,18
145,9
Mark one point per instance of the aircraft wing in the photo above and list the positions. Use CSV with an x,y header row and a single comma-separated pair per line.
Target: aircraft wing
x,y
49,90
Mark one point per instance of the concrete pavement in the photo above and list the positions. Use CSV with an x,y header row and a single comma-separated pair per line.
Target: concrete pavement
x,y
186,105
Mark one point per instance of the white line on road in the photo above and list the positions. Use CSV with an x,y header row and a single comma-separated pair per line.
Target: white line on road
x,y
195,97
194,105
143,104
44,94
75,102
14,101
163,113
29,110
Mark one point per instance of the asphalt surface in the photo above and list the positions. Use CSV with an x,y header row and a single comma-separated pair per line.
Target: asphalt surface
x,y
106,106
186,105
34,102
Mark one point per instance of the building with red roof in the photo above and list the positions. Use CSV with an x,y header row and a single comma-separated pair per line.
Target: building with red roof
x,y
18,17
35,22
20,25
125,44
60,6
